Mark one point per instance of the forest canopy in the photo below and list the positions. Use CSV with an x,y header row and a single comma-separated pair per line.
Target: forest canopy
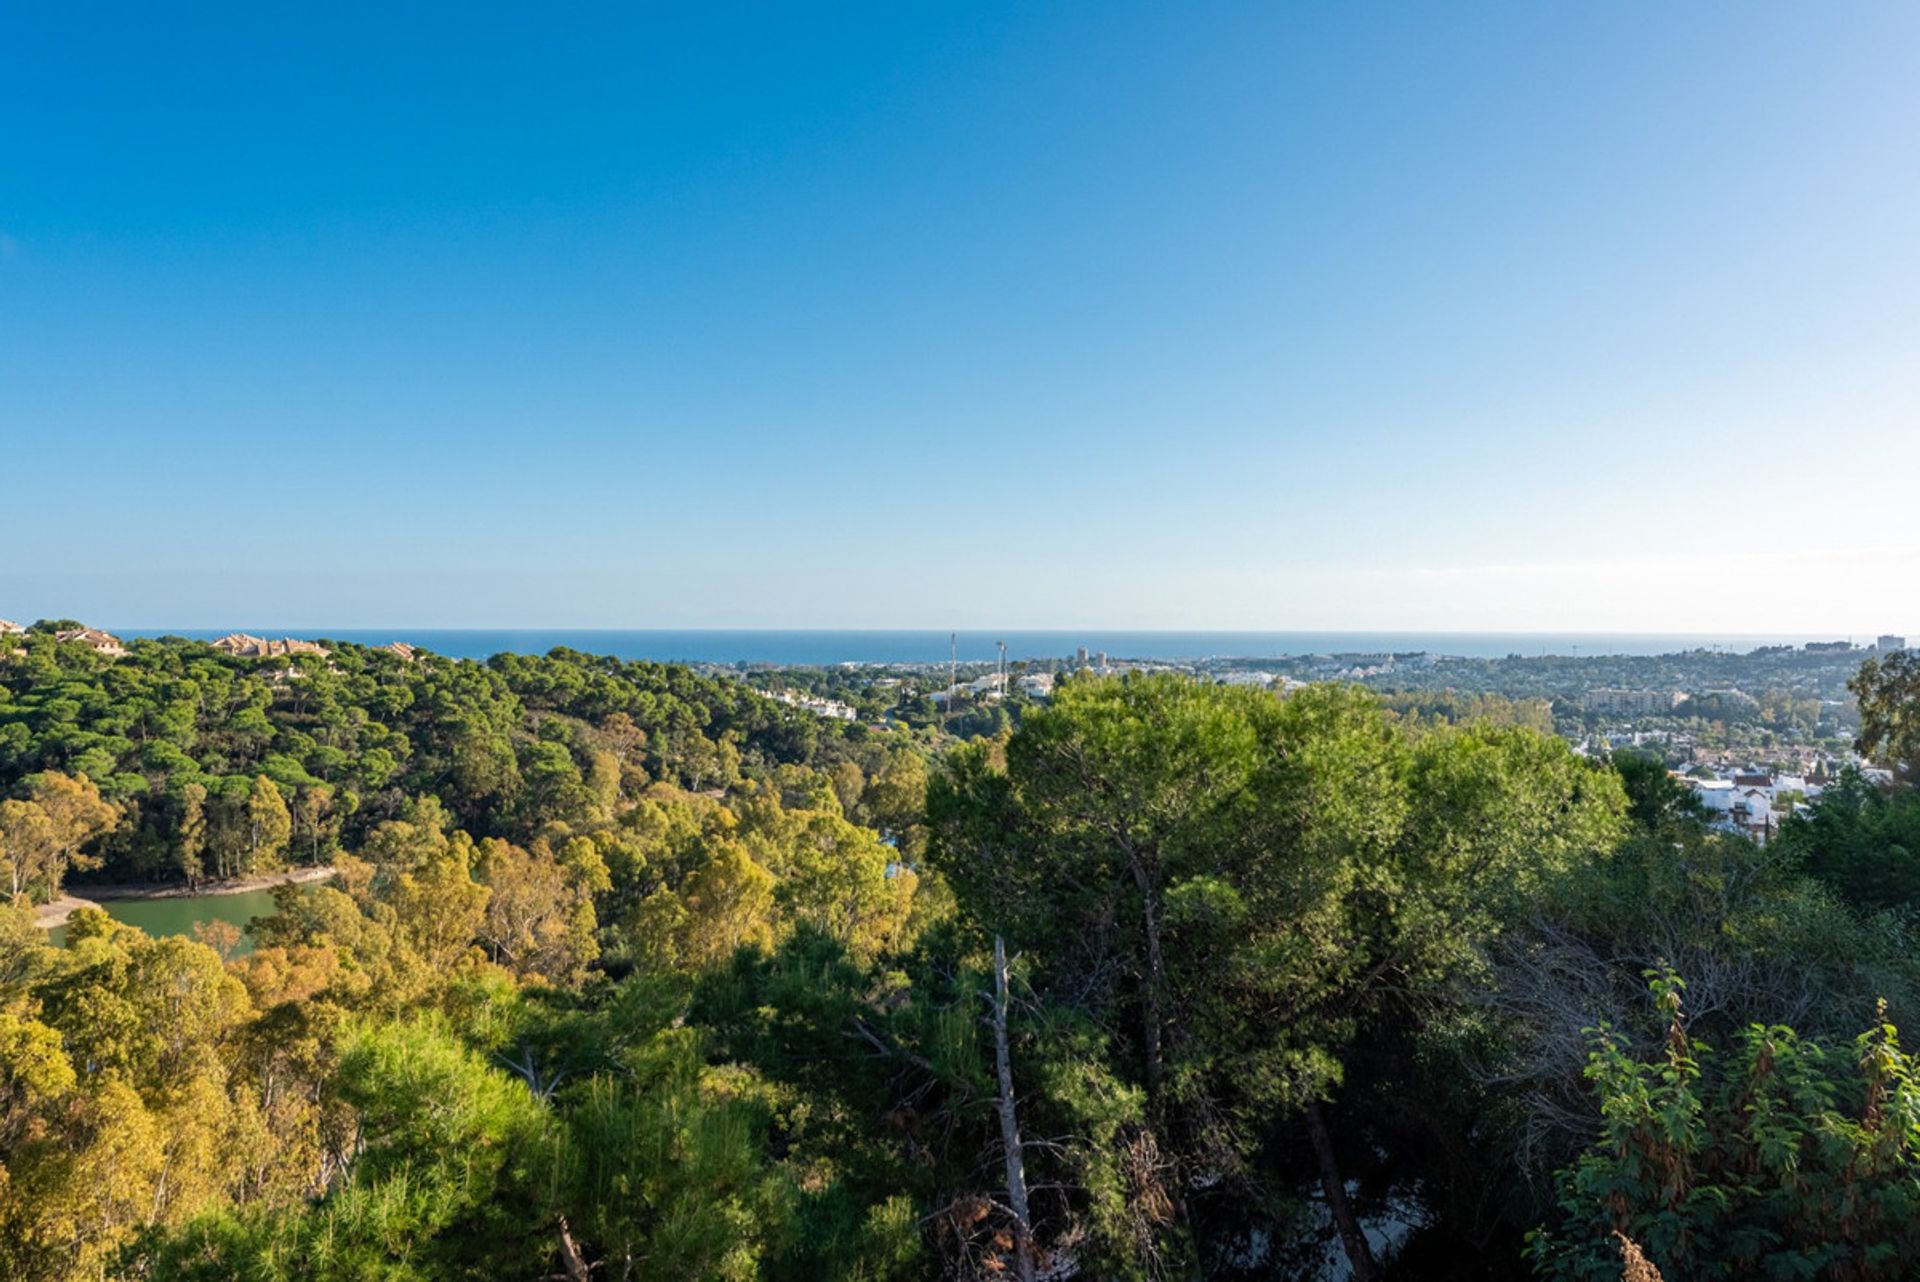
x,y
623,971
219,765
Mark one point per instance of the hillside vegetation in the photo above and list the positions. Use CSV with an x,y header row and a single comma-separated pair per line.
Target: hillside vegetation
x,y
632,973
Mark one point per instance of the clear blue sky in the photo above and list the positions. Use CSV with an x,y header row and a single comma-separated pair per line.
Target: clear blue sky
x,y
1600,316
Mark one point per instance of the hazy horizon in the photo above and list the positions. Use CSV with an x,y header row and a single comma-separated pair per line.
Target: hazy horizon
x,y
827,646
346,630
16,607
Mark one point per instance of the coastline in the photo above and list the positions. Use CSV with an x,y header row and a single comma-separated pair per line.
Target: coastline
x,y
56,912
827,647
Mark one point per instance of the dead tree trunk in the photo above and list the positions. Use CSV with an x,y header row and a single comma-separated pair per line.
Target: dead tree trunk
x,y
1009,1122
1154,997
1359,1254
570,1258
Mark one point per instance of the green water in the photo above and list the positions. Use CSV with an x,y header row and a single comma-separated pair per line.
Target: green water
x,y
180,916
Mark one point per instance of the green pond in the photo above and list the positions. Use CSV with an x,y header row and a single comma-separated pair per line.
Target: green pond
x,y
179,916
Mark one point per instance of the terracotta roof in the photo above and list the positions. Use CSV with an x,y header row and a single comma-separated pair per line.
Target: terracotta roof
x,y
93,638
246,646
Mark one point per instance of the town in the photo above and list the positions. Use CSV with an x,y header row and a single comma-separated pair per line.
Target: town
x,y
1753,735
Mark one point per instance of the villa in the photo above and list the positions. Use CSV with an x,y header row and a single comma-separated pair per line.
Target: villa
x,y
244,646
101,643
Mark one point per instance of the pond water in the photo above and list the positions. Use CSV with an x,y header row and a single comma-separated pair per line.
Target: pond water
x,y
179,916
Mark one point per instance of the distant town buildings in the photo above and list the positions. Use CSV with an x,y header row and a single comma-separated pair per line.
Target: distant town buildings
x,y
832,709
240,645
243,646
1752,802
1037,685
1630,703
993,686
1884,643
1259,679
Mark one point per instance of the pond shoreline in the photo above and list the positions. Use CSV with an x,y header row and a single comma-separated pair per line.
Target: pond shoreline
x,y
55,913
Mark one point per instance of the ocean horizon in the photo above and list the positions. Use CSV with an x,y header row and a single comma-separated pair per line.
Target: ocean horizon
x,y
823,647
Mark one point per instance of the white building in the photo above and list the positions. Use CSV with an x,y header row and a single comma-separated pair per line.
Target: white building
x,y
990,686
832,709
1037,685
1745,803
1717,795
1630,703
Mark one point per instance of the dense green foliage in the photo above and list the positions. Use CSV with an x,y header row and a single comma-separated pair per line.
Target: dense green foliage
x,y
1863,841
629,973
1889,692
1789,1159
224,765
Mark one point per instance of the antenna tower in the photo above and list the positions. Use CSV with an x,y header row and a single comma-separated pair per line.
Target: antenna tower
x,y
953,674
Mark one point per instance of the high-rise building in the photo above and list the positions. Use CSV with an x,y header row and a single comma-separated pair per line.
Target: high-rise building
x,y
1890,642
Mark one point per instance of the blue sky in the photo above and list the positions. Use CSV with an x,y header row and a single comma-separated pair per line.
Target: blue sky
x,y
1262,316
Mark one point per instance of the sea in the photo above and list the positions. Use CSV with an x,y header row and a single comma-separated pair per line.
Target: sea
x,y
820,648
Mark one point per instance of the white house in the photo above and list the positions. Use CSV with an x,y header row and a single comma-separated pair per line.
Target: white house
x,y
1717,795
1741,807
832,709
990,685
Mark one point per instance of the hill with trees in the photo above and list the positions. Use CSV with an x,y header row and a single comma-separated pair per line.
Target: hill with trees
x,y
631,973
213,765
